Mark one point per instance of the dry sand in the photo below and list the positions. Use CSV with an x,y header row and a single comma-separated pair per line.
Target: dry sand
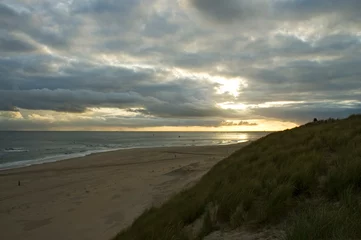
x,y
96,196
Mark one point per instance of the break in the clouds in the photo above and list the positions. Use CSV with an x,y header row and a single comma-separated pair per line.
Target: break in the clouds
x,y
135,64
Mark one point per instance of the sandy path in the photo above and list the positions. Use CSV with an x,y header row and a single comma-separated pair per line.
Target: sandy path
x,y
94,197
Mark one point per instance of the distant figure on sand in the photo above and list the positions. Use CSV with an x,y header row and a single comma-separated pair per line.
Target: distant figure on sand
x,y
18,183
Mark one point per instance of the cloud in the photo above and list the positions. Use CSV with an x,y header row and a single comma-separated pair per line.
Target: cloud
x,y
262,17
122,8
158,27
166,60
231,10
13,44
66,100
240,123
309,8
90,120
79,101
54,31
6,12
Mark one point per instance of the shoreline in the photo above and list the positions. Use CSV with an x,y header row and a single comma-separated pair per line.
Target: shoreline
x,y
96,196
51,159
62,157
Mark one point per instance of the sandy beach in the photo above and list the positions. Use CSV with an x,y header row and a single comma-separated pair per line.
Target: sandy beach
x,y
96,196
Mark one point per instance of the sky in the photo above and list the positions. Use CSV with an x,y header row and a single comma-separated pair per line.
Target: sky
x,y
197,65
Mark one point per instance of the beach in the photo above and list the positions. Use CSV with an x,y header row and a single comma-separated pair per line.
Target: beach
x,y
96,196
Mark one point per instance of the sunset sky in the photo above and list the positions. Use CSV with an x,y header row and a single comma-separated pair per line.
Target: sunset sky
x,y
177,65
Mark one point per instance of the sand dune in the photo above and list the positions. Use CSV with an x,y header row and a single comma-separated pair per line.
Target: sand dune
x,y
94,197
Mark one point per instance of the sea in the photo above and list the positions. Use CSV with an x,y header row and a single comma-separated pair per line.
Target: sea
x,y
20,149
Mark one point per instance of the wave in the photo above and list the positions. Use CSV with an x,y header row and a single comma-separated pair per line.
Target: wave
x,y
67,155
49,159
13,150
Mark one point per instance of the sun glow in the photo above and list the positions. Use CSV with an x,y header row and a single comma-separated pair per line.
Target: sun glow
x,y
242,106
232,105
225,85
230,86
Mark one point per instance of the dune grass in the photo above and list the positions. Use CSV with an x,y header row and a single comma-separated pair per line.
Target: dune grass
x,y
308,178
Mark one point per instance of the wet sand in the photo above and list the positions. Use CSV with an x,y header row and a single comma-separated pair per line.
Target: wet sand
x,y
96,196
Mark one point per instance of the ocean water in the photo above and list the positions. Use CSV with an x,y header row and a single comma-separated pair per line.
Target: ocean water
x,y
19,149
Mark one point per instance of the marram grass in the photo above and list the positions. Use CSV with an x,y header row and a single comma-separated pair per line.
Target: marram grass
x,y
307,178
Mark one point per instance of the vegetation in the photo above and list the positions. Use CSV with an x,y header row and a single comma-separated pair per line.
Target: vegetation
x,y
307,178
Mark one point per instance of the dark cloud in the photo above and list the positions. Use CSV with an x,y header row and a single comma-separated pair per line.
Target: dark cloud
x,y
121,7
230,10
226,11
195,60
308,8
55,31
158,26
43,71
115,122
78,101
306,80
15,45
68,101
111,17
191,110
221,10
6,12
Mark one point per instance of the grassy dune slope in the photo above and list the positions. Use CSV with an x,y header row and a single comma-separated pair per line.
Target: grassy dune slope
x,y
307,178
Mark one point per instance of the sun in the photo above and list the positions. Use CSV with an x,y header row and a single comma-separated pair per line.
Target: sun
x,y
230,86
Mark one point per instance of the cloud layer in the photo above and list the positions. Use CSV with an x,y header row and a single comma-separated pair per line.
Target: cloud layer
x,y
177,63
